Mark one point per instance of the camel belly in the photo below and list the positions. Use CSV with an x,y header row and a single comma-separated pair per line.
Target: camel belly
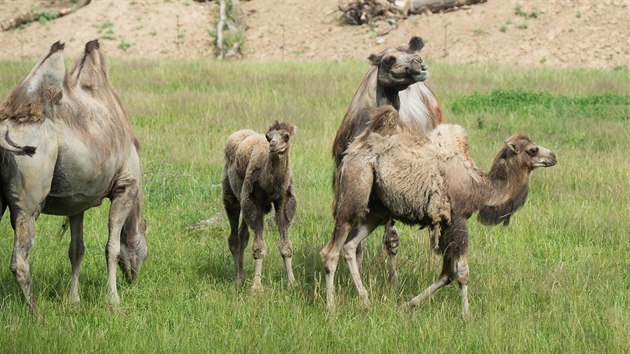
x,y
80,181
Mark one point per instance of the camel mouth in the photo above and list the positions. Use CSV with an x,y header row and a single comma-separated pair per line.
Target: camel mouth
x,y
277,151
545,163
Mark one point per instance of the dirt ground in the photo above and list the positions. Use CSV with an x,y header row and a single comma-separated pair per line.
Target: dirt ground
x,y
565,33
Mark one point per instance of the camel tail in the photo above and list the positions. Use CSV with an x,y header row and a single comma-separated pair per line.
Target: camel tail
x,y
9,145
64,227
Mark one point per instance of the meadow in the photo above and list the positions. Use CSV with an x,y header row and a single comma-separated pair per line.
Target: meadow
x,y
555,280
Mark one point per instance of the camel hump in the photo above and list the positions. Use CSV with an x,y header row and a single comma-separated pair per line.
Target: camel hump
x,y
450,138
385,120
90,70
43,85
234,141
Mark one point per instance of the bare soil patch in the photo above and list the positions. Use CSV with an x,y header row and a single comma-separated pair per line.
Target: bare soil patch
x,y
557,33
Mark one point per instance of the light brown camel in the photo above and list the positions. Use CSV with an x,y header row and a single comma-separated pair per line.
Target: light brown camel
x,y
258,174
86,152
396,78
391,172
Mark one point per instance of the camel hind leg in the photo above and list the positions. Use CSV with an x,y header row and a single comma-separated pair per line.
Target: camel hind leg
x,y
24,238
391,240
358,236
75,253
233,210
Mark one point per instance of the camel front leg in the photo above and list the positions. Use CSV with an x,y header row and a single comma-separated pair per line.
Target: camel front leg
x,y
350,252
253,215
75,253
24,238
125,193
285,210
461,275
437,285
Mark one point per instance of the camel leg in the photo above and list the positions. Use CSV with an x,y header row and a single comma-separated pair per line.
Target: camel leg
x,y
125,193
75,253
24,238
391,240
437,285
461,275
285,210
350,252
254,217
330,257
233,210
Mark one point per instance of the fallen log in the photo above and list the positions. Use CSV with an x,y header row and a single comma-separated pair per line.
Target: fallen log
x,y
359,12
35,15
420,6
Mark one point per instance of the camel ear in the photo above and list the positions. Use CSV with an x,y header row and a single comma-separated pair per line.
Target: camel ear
x,y
374,59
415,44
512,146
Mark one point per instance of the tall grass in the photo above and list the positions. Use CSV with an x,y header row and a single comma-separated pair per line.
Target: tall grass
x,y
556,279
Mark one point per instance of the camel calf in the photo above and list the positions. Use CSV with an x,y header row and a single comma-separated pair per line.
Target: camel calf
x,y
391,172
258,174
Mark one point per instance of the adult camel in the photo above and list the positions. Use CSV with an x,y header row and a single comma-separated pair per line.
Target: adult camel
x,y
395,78
70,145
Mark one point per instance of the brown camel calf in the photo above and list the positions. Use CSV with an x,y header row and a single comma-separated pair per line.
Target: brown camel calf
x,y
258,174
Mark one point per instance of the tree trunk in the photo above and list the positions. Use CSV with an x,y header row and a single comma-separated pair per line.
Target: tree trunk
x,y
220,26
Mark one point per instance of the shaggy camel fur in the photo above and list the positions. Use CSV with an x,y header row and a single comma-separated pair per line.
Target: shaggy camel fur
x,y
86,152
396,78
391,172
258,174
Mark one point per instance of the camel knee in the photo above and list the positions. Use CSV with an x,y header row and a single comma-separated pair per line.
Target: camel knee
x,y
329,260
286,249
259,249
350,251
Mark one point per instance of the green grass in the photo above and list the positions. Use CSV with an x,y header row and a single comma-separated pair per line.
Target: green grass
x,y
556,279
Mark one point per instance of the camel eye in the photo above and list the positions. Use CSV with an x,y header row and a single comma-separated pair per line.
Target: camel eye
x,y
286,136
389,61
533,151
268,137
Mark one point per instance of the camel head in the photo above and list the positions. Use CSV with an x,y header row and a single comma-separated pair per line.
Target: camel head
x,y
401,67
509,178
279,137
133,247
522,152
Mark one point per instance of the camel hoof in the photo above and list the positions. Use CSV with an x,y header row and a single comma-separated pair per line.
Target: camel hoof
x,y
393,280
293,284
74,301
257,288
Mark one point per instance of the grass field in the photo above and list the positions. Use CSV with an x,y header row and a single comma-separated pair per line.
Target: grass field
x,y
556,279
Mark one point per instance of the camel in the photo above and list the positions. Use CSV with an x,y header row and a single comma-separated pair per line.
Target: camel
x,y
391,172
75,147
396,78
258,174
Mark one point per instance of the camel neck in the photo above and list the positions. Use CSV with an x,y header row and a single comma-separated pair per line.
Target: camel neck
x,y
387,95
503,184
278,164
